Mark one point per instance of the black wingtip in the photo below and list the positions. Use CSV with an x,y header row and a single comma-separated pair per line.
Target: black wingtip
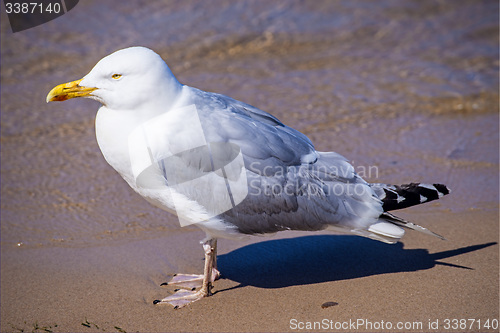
x,y
407,195
442,188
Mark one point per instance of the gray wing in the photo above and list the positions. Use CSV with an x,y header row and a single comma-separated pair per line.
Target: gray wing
x,y
267,144
291,185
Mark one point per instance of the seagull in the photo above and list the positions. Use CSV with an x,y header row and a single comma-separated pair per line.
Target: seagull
x,y
227,167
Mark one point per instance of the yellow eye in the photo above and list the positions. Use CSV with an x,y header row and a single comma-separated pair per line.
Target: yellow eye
x,y
116,76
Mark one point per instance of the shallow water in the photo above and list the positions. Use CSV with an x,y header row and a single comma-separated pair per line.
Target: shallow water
x,y
407,87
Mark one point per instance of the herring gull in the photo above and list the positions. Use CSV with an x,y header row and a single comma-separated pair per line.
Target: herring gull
x,y
225,166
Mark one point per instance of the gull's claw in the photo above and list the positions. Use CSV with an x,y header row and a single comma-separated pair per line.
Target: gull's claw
x,y
182,298
186,281
190,281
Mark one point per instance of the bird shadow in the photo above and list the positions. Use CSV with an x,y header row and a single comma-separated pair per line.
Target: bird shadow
x,y
315,259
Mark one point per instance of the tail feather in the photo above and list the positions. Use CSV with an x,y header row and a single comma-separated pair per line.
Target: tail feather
x,y
397,197
407,224
388,229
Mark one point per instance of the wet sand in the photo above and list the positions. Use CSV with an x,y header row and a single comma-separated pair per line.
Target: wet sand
x,y
409,89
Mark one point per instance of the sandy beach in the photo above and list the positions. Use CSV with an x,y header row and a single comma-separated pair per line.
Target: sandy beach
x,y
111,287
407,91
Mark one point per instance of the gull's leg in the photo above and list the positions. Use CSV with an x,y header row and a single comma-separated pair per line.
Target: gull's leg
x,y
215,271
193,281
183,297
210,248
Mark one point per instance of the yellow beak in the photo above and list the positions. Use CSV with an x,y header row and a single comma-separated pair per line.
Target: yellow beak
x,y
68,90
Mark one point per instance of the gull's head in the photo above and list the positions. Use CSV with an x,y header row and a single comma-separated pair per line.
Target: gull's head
x,y
123,80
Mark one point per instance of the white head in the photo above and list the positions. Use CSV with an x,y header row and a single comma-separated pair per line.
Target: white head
x,y
123,80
